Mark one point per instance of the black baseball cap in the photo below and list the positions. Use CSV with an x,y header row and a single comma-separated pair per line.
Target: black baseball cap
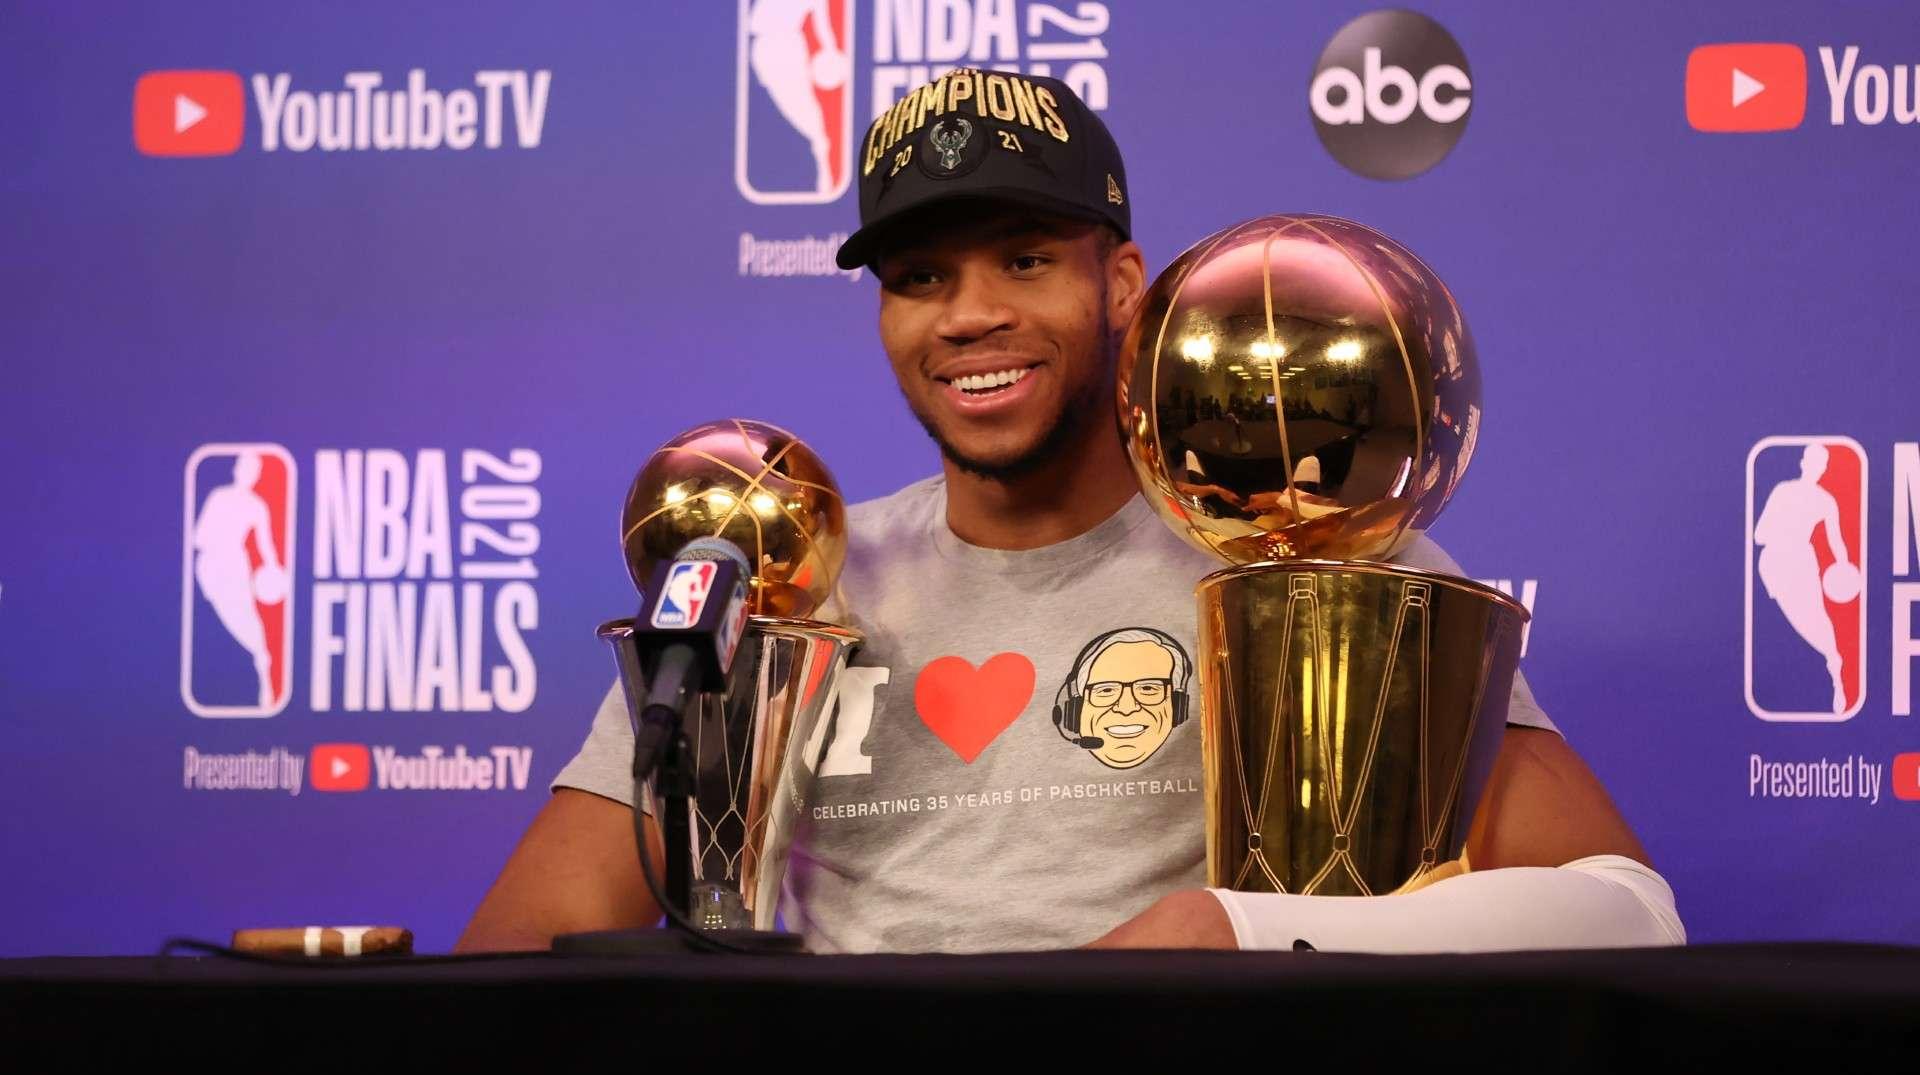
x,y
1025,139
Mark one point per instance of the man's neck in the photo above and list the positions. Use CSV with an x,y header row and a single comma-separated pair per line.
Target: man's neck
x,y
1067,496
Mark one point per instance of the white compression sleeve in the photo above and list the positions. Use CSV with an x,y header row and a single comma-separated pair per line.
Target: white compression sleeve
x,y
1605,901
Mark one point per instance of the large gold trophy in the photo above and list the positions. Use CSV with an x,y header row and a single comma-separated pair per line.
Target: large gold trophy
x,y
1299,398
762,489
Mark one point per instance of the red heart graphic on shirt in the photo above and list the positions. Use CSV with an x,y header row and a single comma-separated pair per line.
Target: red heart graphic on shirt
x,y
969,707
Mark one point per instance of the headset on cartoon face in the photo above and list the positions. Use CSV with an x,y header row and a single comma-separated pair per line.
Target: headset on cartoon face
x,y
1124,696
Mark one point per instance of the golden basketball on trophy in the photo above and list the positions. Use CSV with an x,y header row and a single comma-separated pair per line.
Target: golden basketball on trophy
x,y
1299,397
750,483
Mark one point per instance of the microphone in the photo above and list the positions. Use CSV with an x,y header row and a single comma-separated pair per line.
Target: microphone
x,y
1087,742
692,615
679,648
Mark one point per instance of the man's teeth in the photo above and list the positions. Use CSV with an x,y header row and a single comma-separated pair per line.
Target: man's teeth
x,y
1125,731
982,382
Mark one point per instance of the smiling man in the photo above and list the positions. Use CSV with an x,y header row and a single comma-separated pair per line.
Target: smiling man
x,y
945,816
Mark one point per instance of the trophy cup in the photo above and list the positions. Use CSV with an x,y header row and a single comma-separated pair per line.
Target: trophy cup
x,y
730,824
1299,397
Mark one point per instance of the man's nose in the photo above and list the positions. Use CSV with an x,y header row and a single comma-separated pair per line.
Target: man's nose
x,y
976,307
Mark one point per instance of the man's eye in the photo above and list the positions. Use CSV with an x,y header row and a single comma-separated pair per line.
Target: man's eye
x,y
1027,262
913,279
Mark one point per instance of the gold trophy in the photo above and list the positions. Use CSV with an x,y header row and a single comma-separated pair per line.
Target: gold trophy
x,y
762,489
1299,397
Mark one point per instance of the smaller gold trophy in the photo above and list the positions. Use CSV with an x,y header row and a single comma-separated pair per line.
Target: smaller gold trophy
x,y
1299,398
762,489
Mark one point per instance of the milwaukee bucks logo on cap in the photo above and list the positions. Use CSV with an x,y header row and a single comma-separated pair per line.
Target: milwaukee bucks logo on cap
x,y
949,139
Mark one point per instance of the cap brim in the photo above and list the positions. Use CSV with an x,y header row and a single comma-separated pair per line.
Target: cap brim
x,y
865,245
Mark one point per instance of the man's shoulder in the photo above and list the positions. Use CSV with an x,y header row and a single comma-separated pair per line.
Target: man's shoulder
x,y
1426,554
885,536
909,508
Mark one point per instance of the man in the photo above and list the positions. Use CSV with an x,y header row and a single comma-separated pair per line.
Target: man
x,y
945,815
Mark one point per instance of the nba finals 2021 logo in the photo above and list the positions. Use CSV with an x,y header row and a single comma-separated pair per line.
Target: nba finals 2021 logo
x,y
421,586
796,64
800,65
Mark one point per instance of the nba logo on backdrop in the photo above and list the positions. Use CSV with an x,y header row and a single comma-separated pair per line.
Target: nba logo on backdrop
x,y
236,593
793,122
1806,566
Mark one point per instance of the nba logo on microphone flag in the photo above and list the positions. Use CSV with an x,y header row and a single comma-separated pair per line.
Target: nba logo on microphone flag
x,y
685,594
236,580
1806,564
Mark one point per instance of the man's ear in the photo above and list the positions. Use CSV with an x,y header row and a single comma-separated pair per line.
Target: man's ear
x,y
1126,285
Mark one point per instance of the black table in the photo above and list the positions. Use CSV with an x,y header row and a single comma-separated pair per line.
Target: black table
x,y
1620,1010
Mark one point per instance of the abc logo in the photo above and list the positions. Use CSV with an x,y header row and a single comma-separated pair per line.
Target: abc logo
x,y
1390,95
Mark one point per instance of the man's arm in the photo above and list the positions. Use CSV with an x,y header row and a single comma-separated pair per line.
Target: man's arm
x,y
575,870
1542,807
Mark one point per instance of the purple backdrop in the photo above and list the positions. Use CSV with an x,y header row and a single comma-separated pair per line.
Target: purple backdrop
x,y
465,353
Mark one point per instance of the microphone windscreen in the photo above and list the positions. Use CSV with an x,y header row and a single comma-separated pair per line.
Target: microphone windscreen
x,y
715,548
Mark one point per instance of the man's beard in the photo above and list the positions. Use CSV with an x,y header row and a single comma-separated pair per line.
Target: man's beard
x,y
1077,410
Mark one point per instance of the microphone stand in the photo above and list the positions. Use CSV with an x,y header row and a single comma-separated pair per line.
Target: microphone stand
x,y
676,823
672,765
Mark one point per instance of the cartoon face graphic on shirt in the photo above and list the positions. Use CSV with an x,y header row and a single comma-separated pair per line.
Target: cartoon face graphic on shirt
x,y
1124,696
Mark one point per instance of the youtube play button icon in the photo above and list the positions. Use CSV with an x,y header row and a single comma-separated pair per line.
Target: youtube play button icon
x,y
1751,87
188,113
339,767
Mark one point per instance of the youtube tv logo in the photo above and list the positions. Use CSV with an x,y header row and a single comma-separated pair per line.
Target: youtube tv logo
x,y
339,767
1746,87
188,113
1906,777
204,113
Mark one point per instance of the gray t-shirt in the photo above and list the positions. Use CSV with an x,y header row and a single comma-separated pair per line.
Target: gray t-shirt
x,y
953,810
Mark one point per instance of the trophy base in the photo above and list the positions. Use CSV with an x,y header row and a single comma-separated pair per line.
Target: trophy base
x,y
1350,721
661,942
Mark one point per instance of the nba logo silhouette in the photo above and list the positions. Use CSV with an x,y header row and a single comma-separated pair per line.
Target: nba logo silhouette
x,y
685,594
1806,578
793,115
236,581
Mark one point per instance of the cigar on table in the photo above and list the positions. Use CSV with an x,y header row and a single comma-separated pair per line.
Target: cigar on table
x,y
326,942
